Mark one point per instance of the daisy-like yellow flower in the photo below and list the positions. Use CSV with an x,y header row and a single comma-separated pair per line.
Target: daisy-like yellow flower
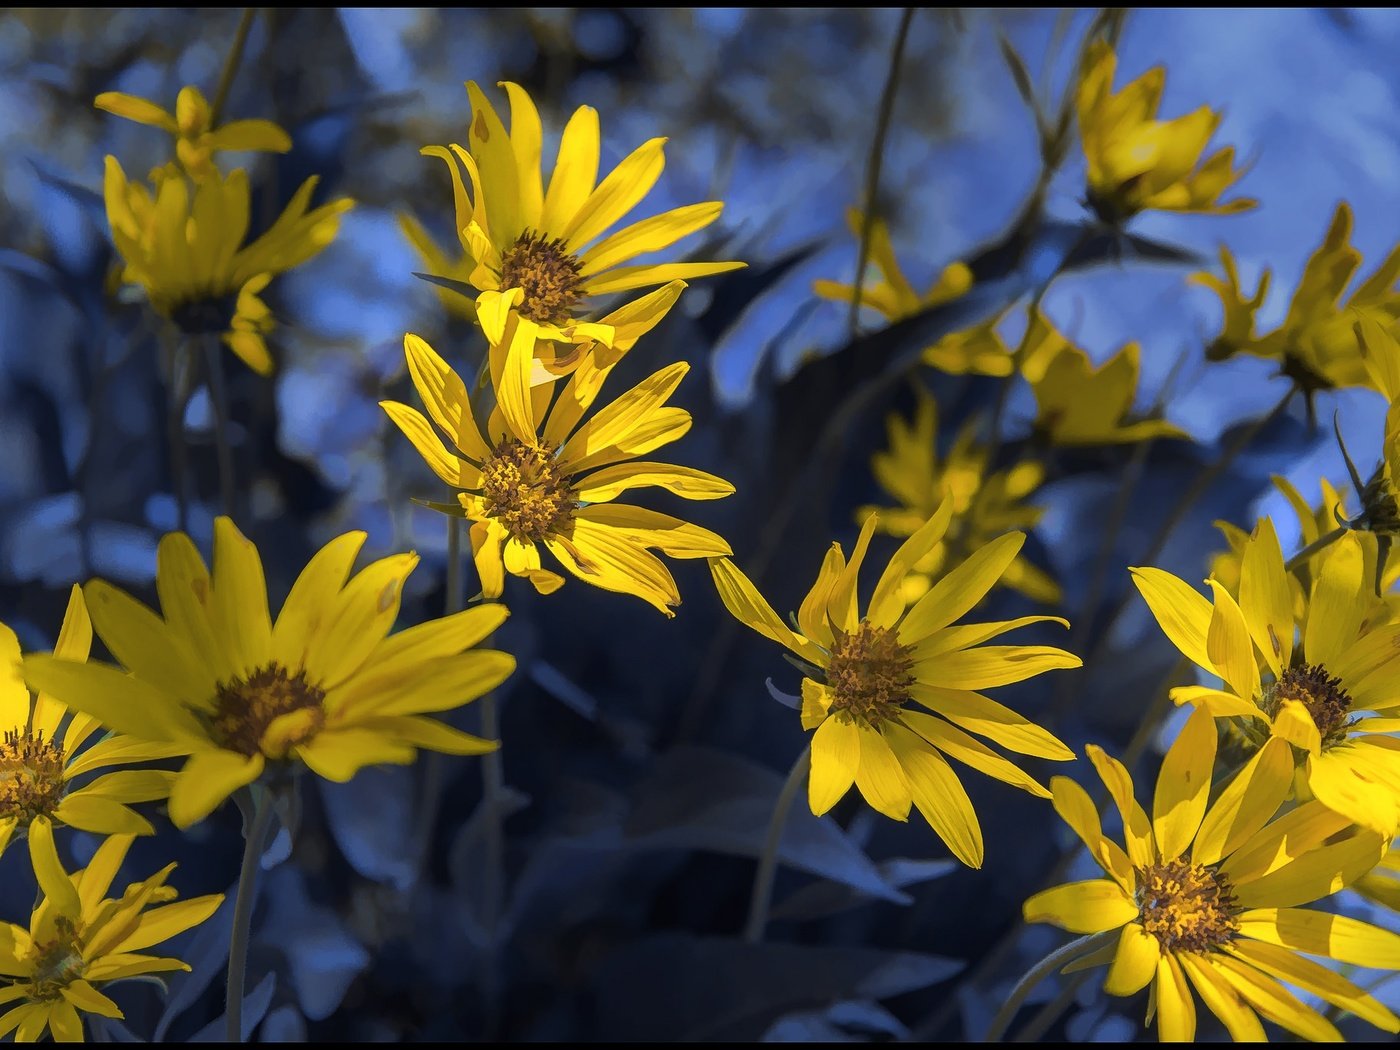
x,y
1208,896
1316,345
984,504
549,243
188,254
1078,404
80,939
196,139
867,669
549,479
977,350
42,755
1380,496
1329,685
1136,161
325,685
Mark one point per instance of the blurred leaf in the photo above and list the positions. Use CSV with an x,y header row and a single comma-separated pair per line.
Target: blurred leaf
x,y
322,957
371,819
255,1005
207,956
828,898
283,1025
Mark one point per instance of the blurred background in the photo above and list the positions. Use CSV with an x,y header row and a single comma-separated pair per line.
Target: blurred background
x,y
643,754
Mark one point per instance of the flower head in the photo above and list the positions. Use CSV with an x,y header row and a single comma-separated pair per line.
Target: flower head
x,y
1208,895
546,478
325,685
1078,404
43,758
1329,679
985,504
1136,161
196,139
1316,345
867,669
977,350
79,939
549,244
187,253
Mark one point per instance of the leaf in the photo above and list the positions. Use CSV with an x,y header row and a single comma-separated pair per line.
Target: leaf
x,y
322,957
255,1004
372,820
207,955
822,899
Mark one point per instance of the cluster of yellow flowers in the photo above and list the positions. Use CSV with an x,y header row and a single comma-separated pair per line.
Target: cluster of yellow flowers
x,y
1207,893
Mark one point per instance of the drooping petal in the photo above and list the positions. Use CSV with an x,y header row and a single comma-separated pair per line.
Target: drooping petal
x,y
1134,963
1092,906
835,760
206,780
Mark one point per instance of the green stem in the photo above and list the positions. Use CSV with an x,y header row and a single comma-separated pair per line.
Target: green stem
x,y
255,827
1056,960
218,398
762,895
175,404
231,63
493,782
874,164
1051,1011
1316,545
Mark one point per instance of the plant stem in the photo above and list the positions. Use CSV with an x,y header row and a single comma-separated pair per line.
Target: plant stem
x,y
231,62
875,162
762,895
1054,961
1051,1011
218,398
175,403
255,826
1316,545
493,782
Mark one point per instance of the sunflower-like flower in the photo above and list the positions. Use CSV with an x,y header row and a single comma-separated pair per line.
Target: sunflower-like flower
x,y
1330,683
1316,345
1209,895
548,479
1078,404
326,685
978,350
985,504
865,670
196,139
42,754
79,939
545,242
1136,161
188,254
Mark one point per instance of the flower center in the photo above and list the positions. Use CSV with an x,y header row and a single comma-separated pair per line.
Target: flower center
x,y
1323,696
1186,906
525,490
57,963
869,674
549,275
31,776
245,708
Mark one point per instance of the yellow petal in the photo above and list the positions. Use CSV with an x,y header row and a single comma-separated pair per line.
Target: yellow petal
x,y
816,703
1134,963
1337,606
362,616
984,716
1077,809
58,887
938,794
261,135
1315,978
993,665
1266,598
525,143
575,170
206,780
1221,998
957,744
887,601
1246,804
239,607
1176,1010
1137,832
313,599
338,754
961,589
1082,907
1181,611
879,777
1273,1001
119,701
626,278
608,483
140,110
750,608
1228,644
835,760
160,924
1315,875
145,646
1293,723
649,235
491,148
617,194
444,395
1322,933
1183,785
432,735
842,606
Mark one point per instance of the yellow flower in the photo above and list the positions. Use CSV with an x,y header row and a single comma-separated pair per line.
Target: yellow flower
x,y
1210,895
1382,883
1136,161
436,262
1380,496
1328,683
196,140
984,504
1078,404
79,939
866,669
546,479
546,242
325,685
190,259
977,350
1316,345
42,753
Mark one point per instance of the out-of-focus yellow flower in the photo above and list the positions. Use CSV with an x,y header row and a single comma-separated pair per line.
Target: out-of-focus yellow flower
x,y
1329,685
79,938
984,505
42,754
326,684
196,140
1380,498
977,350
549,479
1207,894
1136,161
1316,345
189,256
549,243
869,667
1078,404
